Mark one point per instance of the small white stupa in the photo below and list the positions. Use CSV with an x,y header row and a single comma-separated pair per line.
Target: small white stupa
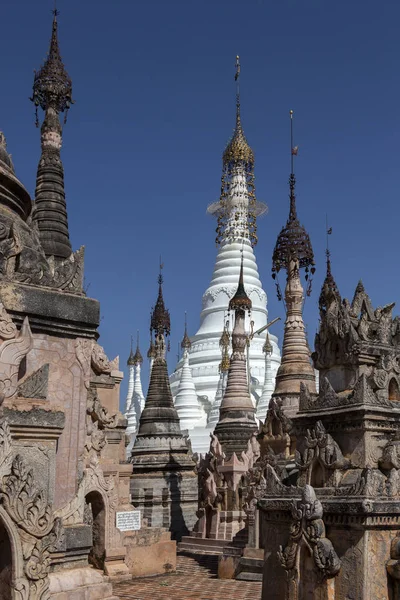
x,y
187,404
135,398
269,384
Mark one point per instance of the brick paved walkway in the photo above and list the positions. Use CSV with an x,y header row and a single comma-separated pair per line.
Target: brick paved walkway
x,y
195,579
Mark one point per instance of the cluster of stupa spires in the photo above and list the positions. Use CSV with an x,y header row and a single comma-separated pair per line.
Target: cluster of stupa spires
x,y
236,213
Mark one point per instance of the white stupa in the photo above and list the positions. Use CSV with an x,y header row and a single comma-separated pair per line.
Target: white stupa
x,y
135,399
269,383
236,212
187,404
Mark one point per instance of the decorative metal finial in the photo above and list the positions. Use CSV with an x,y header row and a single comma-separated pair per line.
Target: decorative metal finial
x,y
237,165
267,348
224,342
329,288
151,353
138,359
240,301
160,319
131,359
52,86
293,243
186,344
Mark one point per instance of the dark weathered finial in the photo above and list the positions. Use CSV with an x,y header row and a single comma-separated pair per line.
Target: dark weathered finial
x,y
293,243
160,320
52,86
186,343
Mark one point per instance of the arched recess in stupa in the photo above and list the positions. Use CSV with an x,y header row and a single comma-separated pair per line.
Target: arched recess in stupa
x,y
97,516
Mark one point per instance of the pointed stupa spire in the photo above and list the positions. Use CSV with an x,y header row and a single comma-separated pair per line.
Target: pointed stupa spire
x,y
268,387
237,208
240,300
236,416
137,358
329,290
292,252
160,322
52,92
238,151
131,359
186,401
186,343
293,243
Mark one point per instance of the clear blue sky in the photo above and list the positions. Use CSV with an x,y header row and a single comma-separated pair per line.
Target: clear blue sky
x,y
154,91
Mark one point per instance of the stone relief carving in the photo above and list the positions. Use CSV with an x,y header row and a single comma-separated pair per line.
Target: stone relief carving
x,y
98,413
37,527
319,446
347,329
277,424
35,385
362,394
14,348
8,329
308,529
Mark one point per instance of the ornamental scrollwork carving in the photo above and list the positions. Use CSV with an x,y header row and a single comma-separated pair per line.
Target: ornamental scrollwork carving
x,y
12,351
308,528
24,502
28,508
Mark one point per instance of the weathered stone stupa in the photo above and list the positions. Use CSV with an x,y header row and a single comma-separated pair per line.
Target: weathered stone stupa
x,y
335,534
233,448
164,482
63,477
237,413
236,213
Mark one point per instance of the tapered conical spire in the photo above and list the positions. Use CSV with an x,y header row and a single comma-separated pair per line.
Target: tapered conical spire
x,y
236,416
52,92
237,208
240,300
293,251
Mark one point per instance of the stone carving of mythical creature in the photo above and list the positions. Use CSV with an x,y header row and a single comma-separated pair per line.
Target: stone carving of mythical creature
x,y
308,528
319,446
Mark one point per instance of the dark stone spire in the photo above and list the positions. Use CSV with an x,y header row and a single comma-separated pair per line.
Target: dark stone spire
x,y
236,422
159,416
186,344
52,91
164,483
329,290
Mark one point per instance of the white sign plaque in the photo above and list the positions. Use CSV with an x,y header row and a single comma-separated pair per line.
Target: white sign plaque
x,y
128,521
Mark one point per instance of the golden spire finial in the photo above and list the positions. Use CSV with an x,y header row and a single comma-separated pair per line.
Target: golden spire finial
x,y
238,150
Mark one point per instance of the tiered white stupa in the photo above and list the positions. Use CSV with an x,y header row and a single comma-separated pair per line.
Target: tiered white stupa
x,y
187,404
236,212
135,399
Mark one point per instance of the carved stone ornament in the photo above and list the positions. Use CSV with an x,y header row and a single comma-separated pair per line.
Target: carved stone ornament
x,y
319,446
36,527
350,330
13,349
362,394
73,513
277,424
308,529
35,385
100,362
98,413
